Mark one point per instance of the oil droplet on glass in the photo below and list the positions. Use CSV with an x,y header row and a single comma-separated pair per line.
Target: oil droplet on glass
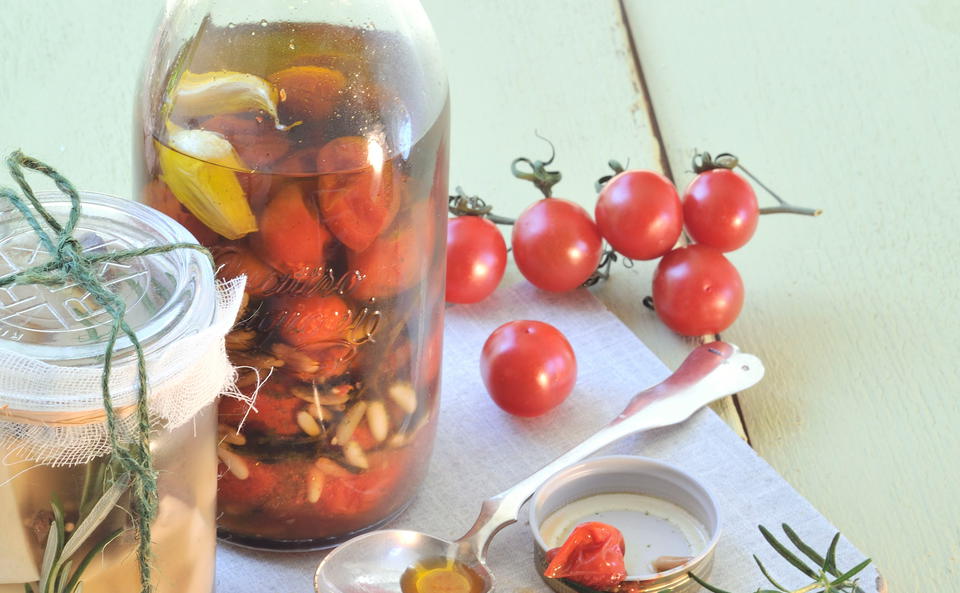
x,y
440,575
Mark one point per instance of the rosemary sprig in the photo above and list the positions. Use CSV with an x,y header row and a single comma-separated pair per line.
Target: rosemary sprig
x,y
824,574
57,574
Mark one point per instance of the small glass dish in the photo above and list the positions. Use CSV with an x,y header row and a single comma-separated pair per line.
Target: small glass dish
x,y
659,509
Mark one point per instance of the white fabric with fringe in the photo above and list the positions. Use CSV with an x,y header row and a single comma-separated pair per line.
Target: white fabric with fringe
x,y
184,377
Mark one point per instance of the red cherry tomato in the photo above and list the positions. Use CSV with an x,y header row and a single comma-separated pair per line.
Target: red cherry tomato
x,y
358,198
476,259
720,209
639,214
592,555
528,367
556,245
697,291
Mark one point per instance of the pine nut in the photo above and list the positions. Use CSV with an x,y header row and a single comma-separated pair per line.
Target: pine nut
x,y
349,422
404,396
307,423
315,480
295,360
235,463
665,563
377,420
331,468
229,435
354,455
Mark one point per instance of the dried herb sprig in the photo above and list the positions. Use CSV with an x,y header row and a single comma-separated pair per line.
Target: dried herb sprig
x,y
57,572
826,576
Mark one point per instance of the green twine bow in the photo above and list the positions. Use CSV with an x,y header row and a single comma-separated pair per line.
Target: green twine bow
x,y
69,263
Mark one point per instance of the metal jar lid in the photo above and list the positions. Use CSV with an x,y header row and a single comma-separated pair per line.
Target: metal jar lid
x,y
629,474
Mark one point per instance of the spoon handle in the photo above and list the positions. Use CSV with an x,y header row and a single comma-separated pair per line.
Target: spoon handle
x,y
710,372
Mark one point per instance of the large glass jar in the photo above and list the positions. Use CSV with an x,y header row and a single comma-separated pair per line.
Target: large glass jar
x,y
54,445
306,144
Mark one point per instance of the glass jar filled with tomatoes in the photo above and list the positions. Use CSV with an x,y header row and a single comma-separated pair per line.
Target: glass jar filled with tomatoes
x,y
305,144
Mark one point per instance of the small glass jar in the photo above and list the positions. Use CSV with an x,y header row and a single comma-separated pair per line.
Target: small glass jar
x,y
53,445
306,144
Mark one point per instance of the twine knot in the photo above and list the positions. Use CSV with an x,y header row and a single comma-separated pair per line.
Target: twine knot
x,y
70,263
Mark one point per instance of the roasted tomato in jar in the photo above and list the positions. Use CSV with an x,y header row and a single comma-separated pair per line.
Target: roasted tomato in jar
x,y
258,142
358,198
399,257
308,92
236,260
311,321
292,239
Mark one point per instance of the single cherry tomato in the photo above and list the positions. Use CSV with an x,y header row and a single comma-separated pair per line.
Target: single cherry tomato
x,y
639,214
528,367
292,239
697,291
720,209
556,245
476,259
357,196
592,555
307,321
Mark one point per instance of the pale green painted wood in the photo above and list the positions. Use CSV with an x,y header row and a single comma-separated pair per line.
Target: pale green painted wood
x,y
853,107
68,77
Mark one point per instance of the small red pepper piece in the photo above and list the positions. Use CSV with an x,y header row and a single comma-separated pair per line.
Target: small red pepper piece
x,y
591,556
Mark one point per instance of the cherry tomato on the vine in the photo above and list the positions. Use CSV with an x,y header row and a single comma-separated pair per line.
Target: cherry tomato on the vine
x,y
476,259
639,214
697,291
720,209
528,367
556,244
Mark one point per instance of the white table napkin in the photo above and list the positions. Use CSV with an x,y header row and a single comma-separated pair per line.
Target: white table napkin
x,y
481,450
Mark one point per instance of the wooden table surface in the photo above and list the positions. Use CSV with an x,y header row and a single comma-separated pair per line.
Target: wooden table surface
x,y
850,107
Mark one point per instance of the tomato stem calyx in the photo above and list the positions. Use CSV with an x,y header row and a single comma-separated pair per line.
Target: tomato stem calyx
x,y
538,174
702,161
617,169
461,204
603,268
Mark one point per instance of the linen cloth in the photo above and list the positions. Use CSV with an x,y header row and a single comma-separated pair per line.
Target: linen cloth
x,y
481,450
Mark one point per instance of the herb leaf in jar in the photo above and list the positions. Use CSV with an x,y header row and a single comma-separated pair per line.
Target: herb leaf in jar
x,y
55,575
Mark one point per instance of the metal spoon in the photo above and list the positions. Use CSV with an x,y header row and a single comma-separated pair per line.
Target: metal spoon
x,y
376,561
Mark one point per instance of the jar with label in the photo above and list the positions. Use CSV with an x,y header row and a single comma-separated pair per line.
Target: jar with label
x,y
62,500
306,144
